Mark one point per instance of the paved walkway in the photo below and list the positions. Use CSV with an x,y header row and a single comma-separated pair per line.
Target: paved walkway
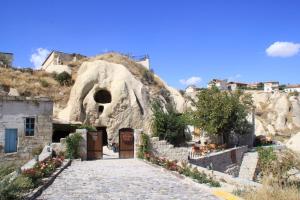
x,y
121,179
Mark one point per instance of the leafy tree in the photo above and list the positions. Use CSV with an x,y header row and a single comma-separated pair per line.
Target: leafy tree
x,y
168,124
222,112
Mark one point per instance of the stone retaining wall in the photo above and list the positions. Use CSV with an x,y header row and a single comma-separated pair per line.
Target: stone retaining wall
x,y
163,149
222,160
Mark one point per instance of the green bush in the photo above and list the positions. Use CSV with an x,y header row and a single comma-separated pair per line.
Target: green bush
x,y
168,125
144,147
64,78
6,169
14,190
87,127
266,158
73,142
148,76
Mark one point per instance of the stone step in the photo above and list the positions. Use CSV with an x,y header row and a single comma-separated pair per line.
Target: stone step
x,y
248,166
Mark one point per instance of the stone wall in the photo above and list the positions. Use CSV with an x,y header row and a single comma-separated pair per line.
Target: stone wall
x,y
223,160
13,111
162,148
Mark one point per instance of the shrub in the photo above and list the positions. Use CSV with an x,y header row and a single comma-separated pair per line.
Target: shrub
x,y
44,83
87,127
144,148
266,158
148,76
14,190
64,78
6,169
272,190
73,142
168,125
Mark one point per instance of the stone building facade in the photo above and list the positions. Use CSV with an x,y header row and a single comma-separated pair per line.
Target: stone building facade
x,y
25,124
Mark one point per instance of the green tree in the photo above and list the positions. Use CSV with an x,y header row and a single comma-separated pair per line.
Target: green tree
x,y
168,124
222,112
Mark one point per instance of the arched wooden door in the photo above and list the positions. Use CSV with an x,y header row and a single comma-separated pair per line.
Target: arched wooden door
x,y
126,143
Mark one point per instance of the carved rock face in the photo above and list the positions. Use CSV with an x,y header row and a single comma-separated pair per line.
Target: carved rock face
x,y
107,95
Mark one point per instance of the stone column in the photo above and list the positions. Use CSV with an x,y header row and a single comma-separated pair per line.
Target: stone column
x,y
83,143
137,140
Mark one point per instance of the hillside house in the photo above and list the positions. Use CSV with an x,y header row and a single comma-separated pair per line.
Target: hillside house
x,y
25,125
256,86
271,86
236,85
292,88
220,84
6,59
60,58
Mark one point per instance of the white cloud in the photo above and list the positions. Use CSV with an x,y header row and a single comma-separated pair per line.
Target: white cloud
x,y
38,57
283,49
191,81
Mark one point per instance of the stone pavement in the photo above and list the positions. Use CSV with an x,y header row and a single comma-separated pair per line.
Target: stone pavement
x,y
122,179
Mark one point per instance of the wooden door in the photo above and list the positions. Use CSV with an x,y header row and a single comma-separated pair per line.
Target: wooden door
x,y
11,140
94,145
126,143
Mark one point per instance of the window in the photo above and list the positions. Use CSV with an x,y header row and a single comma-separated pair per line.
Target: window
x,y
102,96
29,126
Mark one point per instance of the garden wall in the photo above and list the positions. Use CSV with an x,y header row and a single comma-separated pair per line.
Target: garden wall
x,y
222,160
162,148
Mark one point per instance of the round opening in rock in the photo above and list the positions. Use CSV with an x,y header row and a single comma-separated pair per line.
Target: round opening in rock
x,y
102,96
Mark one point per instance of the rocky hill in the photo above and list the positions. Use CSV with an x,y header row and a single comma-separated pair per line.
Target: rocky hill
x,y
132,88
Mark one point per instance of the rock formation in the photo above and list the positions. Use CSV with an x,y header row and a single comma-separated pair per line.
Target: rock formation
x,y
107,94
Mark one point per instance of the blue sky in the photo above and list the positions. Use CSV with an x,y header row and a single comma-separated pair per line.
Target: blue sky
x,y
202,39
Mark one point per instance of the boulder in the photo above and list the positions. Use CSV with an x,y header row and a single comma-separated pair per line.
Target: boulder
x,y
294,143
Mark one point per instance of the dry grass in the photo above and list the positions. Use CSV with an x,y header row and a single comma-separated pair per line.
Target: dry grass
x,y
40,83
33,84
273,191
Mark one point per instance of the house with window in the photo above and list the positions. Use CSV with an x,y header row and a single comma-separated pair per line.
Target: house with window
x,y
236,85
25,125
56,60
292,88
220,84
271,86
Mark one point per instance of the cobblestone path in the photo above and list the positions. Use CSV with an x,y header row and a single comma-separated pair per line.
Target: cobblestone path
x,y
121,179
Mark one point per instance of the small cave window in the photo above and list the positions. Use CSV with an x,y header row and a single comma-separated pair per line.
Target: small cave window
x,y
102,96
100,109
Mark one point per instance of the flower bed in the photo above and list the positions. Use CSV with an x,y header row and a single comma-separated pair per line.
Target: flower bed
x,y
43,169
29,179
183,169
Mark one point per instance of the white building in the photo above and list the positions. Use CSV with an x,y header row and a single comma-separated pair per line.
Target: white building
x,y
292,88
271,86
60,58
220,84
